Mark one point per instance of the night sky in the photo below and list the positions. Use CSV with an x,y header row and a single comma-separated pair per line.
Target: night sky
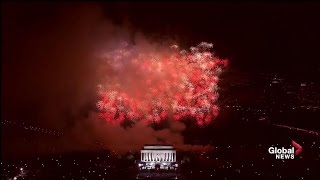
x,y
256,37
49,79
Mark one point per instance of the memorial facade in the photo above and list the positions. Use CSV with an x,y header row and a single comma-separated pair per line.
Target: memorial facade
x,y
162,156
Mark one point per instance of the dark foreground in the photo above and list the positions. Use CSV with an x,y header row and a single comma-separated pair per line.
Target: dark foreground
x,y
240,152
237,159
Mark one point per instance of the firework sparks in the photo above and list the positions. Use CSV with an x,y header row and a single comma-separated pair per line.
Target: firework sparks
x,y
153,86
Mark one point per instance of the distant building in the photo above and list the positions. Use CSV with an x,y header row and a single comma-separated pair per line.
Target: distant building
x,y
158,157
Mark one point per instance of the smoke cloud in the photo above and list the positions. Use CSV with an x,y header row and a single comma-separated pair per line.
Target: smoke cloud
x,y
51,72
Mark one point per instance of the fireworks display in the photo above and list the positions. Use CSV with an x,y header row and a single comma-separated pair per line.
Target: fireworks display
x,y
156,85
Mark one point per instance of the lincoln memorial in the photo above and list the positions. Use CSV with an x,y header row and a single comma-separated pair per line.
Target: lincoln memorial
x,y
162,155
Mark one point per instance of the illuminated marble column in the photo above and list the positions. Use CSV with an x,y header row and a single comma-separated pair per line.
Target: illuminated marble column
x,y
172,157
150,156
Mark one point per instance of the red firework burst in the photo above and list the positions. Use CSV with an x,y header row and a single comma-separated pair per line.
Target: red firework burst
x,y
154,86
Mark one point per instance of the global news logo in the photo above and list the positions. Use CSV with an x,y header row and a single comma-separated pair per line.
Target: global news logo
x,y
283,153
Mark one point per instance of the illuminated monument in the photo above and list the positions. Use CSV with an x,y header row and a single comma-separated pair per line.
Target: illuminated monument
x,y
158,157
